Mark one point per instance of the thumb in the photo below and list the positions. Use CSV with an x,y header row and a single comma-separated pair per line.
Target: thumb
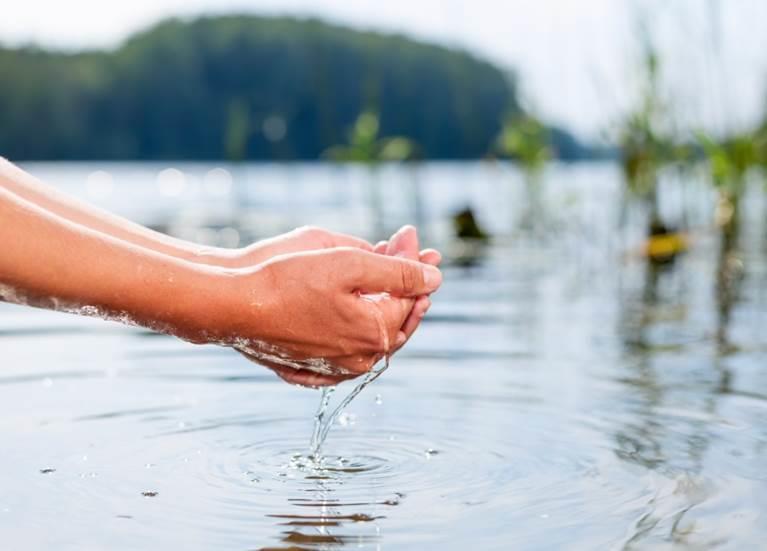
x,y
395,275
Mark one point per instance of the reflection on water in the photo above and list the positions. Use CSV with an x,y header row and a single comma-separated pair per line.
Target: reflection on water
x,y
561,395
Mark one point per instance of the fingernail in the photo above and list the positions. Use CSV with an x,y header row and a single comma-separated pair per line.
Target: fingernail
x,y
432,277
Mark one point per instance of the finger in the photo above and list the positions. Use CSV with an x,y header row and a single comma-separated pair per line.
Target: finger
x,y
310,239
414,318
430,256
393,313
404,243
342,240
380,247
400,277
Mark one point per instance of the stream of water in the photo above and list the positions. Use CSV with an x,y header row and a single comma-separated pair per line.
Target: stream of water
x,y
324,422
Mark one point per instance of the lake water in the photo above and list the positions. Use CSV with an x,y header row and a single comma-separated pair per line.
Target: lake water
x,y
559,395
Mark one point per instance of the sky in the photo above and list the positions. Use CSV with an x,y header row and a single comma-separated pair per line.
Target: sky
x,y
577,60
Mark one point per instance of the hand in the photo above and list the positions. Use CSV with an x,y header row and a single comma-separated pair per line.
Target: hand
x,y
405,244
317,311
306,238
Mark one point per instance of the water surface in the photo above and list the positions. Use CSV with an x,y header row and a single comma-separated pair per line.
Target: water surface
x,y
558,395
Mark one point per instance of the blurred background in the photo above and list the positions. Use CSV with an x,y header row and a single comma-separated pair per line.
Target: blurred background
x,y
635,129
595,172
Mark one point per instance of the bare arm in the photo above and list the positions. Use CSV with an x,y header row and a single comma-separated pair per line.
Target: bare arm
x,y
50,262
47,197
300,310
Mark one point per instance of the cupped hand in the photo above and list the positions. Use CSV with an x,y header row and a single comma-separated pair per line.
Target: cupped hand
x,y
305,238
322,316
404,243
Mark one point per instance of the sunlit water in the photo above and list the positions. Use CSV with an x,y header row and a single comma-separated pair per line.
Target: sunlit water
x,y
557,396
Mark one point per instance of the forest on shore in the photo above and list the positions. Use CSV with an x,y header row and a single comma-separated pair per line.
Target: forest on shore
x,y
249,87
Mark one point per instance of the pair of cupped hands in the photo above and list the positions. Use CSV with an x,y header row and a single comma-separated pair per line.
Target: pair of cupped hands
x,y
334,299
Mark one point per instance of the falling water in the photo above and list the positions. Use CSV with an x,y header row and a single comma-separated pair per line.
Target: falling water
x,y
322,424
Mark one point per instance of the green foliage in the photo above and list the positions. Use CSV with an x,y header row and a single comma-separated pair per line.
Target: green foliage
x,y
365,146
643,142
732,158
204,89
526,139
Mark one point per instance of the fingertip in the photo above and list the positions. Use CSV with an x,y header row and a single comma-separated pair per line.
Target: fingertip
x,y
400,340
430,256
432,278
404,243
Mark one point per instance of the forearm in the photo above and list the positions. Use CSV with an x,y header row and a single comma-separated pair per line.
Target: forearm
x,y
46,197
51,262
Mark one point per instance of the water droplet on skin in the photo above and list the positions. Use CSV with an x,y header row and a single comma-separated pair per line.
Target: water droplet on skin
x,y
47,471
149,494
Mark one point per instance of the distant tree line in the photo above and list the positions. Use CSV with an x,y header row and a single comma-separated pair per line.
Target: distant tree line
x,y
248,87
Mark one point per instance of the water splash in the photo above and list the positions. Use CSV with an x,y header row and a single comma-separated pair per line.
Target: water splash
x,y
319,417
321,424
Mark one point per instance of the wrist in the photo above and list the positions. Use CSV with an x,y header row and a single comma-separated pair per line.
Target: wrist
x,y
207,304
220,305
185,299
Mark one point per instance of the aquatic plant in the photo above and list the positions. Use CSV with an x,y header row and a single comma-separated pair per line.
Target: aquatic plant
x,y
527,140
644,145
730,161
647,142
365,147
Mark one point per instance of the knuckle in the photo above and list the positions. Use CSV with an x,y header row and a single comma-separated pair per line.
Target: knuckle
x,y
408,277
